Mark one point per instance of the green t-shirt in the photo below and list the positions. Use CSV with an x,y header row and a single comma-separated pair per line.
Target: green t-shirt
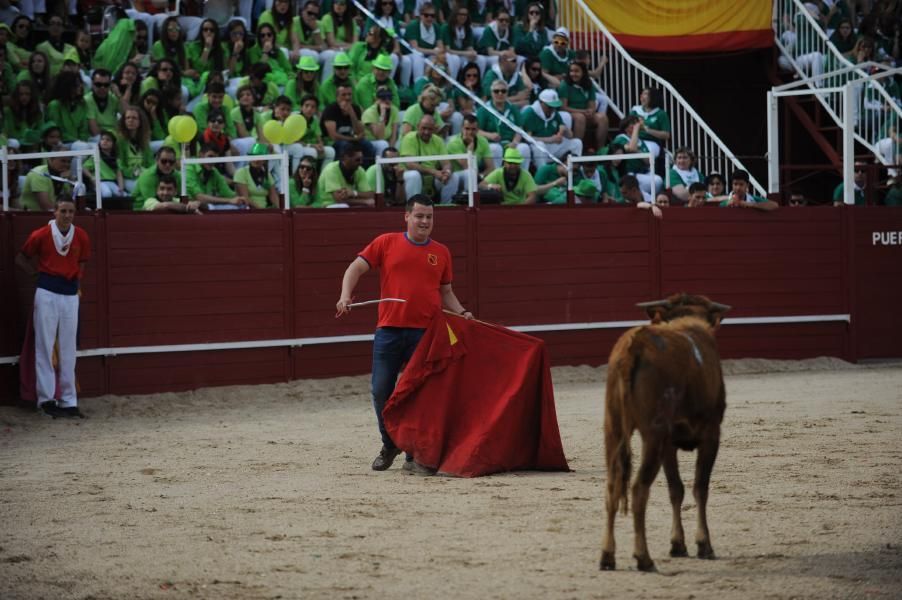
x,y
107,173
258,196
202,111
365,91
491,41
575,96
545,175
371,115
327,25
413,33
297,197
54,56
536,125
72,120
36,181
412,145
632,165
839,190
107,118
677,178
132,160
194,51
213,184
414,114
333,179
529,43
517,194
554,64
26,133
146,186
283,37
236,117
893,196
656,119
486,121
305,39
514,87
456,145
448,35
291,91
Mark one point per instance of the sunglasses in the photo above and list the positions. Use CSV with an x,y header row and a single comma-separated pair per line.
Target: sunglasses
x,y
167,161
559,43
217,120
499,91
534,12
102,84
311,14
266,34
859,170
173,28
210,29
23,26
428,15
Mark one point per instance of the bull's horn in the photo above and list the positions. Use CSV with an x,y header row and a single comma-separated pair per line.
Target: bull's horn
x,y
720,307
653,303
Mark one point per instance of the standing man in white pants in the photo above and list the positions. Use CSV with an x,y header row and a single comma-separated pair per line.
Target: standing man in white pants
x,y
56,254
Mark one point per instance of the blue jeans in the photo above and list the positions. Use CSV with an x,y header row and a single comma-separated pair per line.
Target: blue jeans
x,y
392,347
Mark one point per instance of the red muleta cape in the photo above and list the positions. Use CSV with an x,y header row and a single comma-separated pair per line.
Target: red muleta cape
x,y
476,399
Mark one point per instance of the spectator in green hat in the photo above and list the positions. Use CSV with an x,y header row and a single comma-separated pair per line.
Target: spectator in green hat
x,y
585,192
255,183
305,83
339,32
366,51
514,182
341,76
379,77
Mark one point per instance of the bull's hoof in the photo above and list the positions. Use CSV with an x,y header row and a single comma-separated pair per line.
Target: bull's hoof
x,y
678,549
607,561
645,563
706,551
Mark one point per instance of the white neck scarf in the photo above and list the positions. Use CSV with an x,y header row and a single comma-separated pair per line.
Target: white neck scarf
x,y
689,177
62,242
501,40
510,82
427,34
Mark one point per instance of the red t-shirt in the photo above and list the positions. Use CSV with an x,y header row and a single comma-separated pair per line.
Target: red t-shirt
x,y
412,272
40,244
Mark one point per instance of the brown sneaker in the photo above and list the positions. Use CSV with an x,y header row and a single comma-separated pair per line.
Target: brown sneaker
x,y
415,468
386,458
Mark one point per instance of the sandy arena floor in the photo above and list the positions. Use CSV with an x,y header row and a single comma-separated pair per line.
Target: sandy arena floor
x,y
266,492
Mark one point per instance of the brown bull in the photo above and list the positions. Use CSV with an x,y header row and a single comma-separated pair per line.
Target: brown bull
x,y
665,380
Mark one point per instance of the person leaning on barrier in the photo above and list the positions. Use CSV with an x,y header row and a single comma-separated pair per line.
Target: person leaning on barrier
x,y
146,185
698,195
740,196
343,182
433,174
514,182
392,179
165,199
859,181
631,194
205,184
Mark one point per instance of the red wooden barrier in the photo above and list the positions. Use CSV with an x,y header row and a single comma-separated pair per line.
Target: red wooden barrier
x,y
173,279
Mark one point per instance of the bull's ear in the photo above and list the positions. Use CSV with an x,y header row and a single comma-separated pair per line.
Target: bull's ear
x,y
721,308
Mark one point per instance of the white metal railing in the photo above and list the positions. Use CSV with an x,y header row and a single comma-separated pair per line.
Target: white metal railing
x,y
622,78
284,176
469,157
94,152
808,52
573,160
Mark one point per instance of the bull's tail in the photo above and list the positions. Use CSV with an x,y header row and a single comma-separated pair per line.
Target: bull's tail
x,y
619,429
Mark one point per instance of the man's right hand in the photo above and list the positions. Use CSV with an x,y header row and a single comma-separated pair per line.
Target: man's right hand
x,y
342,307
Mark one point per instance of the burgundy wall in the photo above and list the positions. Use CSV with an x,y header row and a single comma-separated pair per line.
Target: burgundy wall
x,y
171,279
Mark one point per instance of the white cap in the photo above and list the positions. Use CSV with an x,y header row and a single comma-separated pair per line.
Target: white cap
x,y
562,32
550,98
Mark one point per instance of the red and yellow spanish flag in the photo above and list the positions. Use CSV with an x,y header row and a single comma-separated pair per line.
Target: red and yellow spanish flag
x,y
687,25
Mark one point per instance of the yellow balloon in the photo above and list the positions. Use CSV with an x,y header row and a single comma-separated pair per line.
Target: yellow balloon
x,y
185,129
295,128
173,125
274,132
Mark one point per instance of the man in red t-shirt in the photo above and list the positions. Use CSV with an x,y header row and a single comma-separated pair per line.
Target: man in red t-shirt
x,y
415,268
56,254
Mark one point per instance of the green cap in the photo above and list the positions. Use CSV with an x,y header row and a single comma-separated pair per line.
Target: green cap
x,y
586,189
308,63
72,54
382,62
342,60
512,155
259,149
47,126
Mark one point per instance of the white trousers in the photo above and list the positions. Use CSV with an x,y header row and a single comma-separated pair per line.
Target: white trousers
x,y
413,184
55,317
572,145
